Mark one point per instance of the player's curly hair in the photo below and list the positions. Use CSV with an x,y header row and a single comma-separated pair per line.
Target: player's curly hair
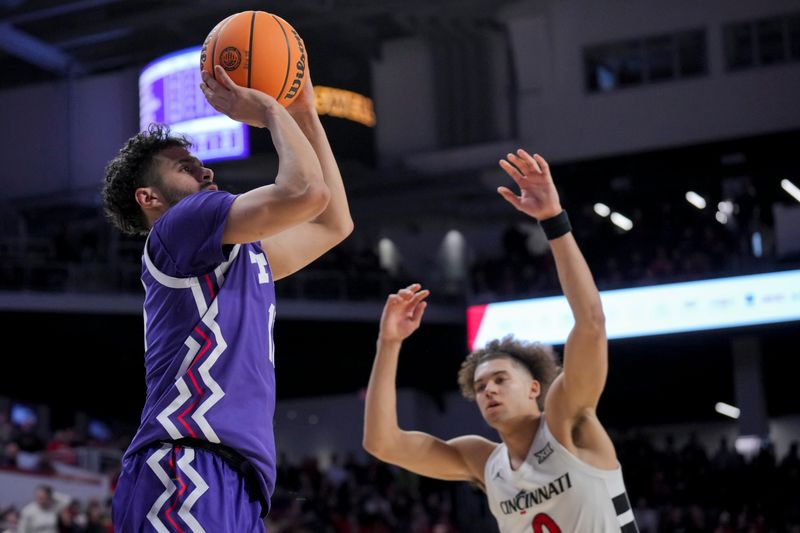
x,y
539,359
133,168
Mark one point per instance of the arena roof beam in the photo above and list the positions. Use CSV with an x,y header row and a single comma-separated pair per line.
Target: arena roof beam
x,y
56,11
36,52
94,38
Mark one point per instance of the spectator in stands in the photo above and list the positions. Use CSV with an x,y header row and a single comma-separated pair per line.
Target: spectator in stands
x,y
41,515
98,519
9,520
8,455
335,474
646,516
6,430
60,450
70,520
29,447
28,438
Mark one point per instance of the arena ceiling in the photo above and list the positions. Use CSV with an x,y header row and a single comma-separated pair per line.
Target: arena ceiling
x,y
44,40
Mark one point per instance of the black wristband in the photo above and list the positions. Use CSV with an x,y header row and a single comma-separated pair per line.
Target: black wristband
x,y
555,227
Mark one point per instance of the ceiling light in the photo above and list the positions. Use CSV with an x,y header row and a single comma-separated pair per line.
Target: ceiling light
x,y
696,200
727,410
621,221
726,207
791,188
602,209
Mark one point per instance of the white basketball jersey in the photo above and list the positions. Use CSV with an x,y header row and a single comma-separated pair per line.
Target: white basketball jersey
x,y
553,491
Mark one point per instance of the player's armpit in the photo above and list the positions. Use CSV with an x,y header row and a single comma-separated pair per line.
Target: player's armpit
x,y
458,459
293,249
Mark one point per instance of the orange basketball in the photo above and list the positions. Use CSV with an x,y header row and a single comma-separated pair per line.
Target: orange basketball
x,y
258,50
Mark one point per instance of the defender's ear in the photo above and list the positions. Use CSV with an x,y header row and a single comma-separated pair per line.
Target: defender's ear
x,y
536,389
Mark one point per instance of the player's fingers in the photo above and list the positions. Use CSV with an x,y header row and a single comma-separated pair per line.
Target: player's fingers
x,y
512,171
542,163
522,164
529,161
209,80
421,295
510,197
405,295
211,98
418,311
518,162
209,93
223,78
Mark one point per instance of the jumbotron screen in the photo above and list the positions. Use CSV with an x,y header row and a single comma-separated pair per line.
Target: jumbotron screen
x,y
643,311
169,93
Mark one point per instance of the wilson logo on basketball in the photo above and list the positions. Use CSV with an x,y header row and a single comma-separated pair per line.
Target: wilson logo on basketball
x,y
300,67
230,58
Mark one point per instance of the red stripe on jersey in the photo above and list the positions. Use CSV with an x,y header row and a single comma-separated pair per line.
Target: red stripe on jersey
x,y
205,348
198,356
182,421
175,500
210,287
196,386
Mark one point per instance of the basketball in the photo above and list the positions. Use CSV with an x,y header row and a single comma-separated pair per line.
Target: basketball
x,y
258,50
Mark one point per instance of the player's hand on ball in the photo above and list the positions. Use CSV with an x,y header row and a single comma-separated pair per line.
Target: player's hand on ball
x,y
538,196
402,313
304,102
239,103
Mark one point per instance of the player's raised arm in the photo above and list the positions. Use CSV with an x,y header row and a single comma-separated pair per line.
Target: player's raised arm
x,y
576,392
458,459
299,193
293,249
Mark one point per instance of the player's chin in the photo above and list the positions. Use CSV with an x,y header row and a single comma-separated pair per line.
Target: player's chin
x,y
492,416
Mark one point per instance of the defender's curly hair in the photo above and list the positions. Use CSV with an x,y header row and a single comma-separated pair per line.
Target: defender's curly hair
x,y
133,168
538,358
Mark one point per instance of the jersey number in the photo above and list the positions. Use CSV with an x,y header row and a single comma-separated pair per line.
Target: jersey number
x,y
271,339
261,261
542,522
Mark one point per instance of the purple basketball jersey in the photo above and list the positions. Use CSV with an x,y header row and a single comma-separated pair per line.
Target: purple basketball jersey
x,y
209,355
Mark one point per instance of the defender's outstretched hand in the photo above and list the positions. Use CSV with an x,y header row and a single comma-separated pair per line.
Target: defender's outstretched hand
x,y
538,196
402,313
239,103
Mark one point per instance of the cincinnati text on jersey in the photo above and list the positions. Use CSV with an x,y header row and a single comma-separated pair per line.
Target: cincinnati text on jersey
x,y
524,499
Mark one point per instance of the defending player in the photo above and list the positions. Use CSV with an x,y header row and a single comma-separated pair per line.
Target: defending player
x,y
556,468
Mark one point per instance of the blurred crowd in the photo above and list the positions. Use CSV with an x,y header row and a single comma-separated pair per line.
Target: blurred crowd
x,y
54,512
25,446
78,251
688,489
354,497
676,244
673,489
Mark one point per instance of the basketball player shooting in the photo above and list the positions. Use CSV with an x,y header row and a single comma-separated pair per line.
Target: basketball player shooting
x,y
203,458
556,468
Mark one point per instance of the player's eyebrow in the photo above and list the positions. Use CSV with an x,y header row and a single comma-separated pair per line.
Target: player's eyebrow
x,y
193,160
490,376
